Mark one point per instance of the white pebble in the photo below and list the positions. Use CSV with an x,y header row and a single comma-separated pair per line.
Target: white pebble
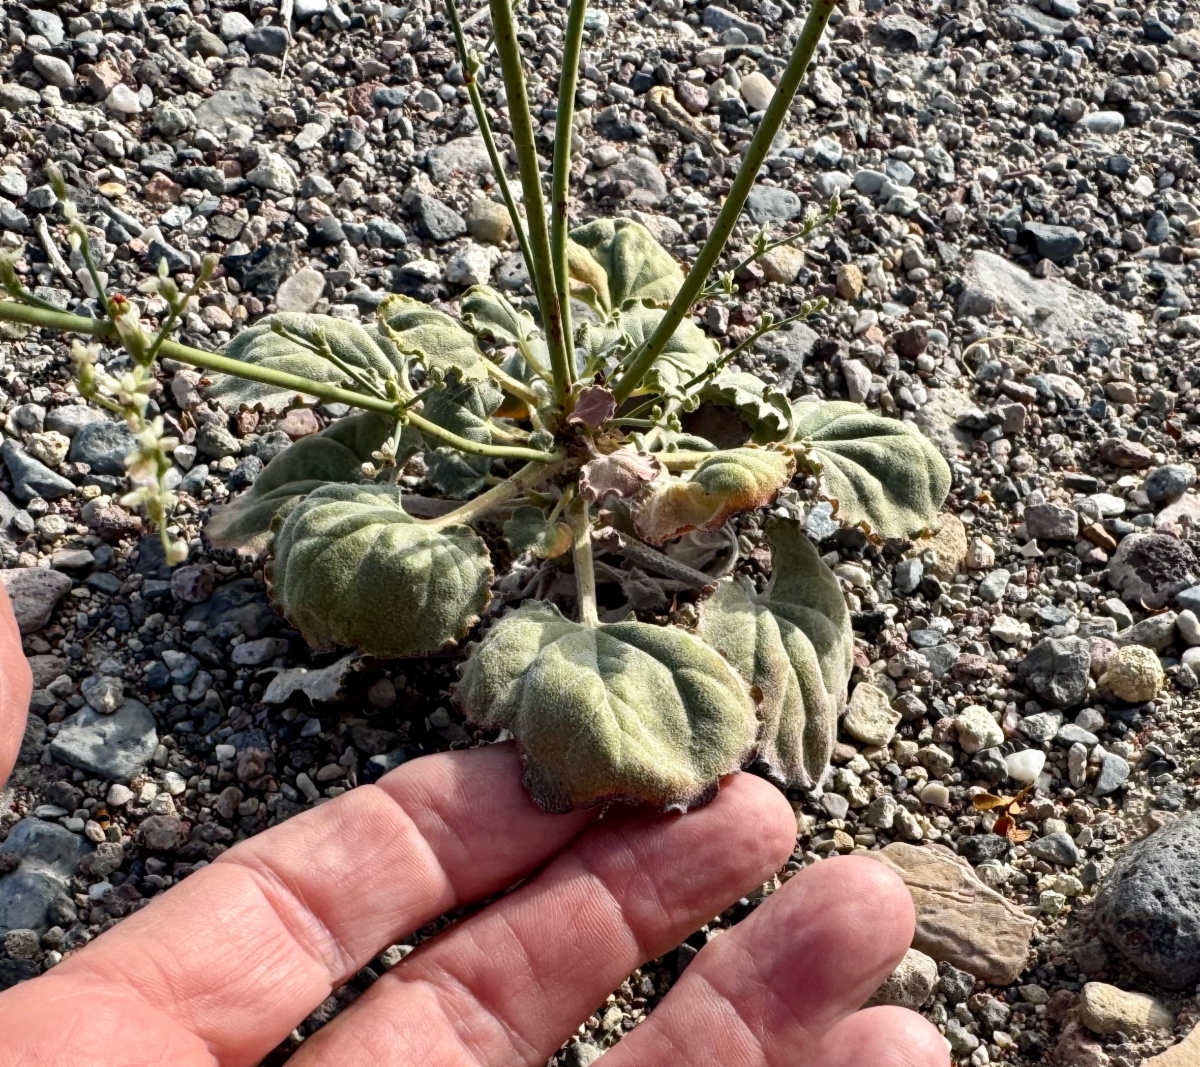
x,y
1025,766
1189,626
935,795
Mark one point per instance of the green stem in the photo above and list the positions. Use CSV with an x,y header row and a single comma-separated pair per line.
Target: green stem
x,y
104,330
477,448
706,260
585,569
514,385
505,30
509,489
470,66
560,175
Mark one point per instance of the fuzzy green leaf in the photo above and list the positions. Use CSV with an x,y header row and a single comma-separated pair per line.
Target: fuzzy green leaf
x,y
738,480
626,711
793,646
261,346
687,354
437,340
464,409
352,568
530,531
768,421
618,263
880,471
334,455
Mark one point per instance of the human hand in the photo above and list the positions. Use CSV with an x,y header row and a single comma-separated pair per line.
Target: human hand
x,y
16,685
221,968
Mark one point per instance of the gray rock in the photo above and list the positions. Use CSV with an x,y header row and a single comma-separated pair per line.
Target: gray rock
x,y
1148,908
216,442
768,204
721,19
69,419
47,23
103,693
435,220
1169,481
992,588
904,32
1042,726
1059,313
1056,669
114,747
1055,243
581,1054
1071,734
49,854
234,26
909,573
301,291
1156,632
1051,522
787,350
977,848
868,182
1150,569
1103,122
103,446
910,984
649,185
267,41
1037,21
464,157
226,108
954,983
31,478
56,71
34,591
1055,848
1114,770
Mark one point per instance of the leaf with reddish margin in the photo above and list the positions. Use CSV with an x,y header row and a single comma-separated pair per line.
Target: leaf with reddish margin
x,y
623,473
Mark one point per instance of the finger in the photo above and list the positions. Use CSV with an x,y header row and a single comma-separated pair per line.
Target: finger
x,y
509,985
884,1037
767,991
248,946
16,687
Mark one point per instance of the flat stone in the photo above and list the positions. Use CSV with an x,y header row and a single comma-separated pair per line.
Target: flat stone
x,y
869,717
768,204
910,984
1156,632
115,747
49,855
649,184
229,107
1037,21
1055,243
488,221
904,32
464,157
1062,315
1148,907
721,19
959,919
47,23
34,592
1114,771
1169,481
435,220
31,478
301,291
1055,848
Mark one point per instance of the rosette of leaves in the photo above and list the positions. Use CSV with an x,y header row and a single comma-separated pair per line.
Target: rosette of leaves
x,y
335,455
793,646
624,711
351,567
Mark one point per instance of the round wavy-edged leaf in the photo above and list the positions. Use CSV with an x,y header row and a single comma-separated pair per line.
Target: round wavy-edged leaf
x,y
441,343
764,410
530,531
623,473
686,355
624,265
792,644
729,482
489,314
625,711
463,408
880,471
263,347
334,455
352,568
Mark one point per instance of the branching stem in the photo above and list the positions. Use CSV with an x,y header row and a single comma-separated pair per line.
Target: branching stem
x,y
706,260
478,448
508,490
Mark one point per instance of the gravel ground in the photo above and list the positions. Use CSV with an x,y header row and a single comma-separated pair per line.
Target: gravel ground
x,y
1013,270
